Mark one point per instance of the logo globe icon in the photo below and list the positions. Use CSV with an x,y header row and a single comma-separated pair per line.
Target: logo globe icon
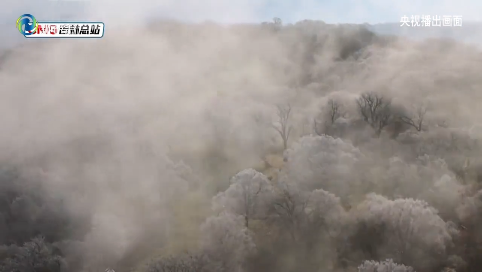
x,y
27,24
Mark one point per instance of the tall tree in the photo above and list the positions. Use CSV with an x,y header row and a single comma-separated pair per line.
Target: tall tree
x,y
375,110
283,124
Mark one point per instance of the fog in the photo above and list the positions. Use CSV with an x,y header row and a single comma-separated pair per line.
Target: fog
x,y
160,147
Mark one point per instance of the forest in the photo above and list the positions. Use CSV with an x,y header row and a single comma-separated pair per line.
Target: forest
x,y
241,148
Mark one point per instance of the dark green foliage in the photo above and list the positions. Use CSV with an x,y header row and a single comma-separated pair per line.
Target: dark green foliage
x,y
33,256
26,211
31,220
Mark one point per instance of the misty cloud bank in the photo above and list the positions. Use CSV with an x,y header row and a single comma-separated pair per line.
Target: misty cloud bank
x,y
159,150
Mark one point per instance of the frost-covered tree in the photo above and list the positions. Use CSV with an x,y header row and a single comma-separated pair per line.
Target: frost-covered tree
x,y
425,178
226,242
470,214
304,226
303,213
288,206
413,232
189,262
323,162
319,226
324,210
248,195
454,145
384,266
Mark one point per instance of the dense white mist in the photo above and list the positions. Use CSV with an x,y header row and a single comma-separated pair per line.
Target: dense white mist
x,y
105,124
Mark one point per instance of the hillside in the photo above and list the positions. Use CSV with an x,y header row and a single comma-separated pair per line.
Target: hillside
x,y
241,148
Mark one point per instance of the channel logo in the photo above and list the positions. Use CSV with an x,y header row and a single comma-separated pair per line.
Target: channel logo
x,y
27,24
29,27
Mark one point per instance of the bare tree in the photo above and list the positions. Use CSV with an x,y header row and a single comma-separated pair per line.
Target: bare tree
x,y
416,117
283,124
331,113
277,21
276,24
375,110
335,110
